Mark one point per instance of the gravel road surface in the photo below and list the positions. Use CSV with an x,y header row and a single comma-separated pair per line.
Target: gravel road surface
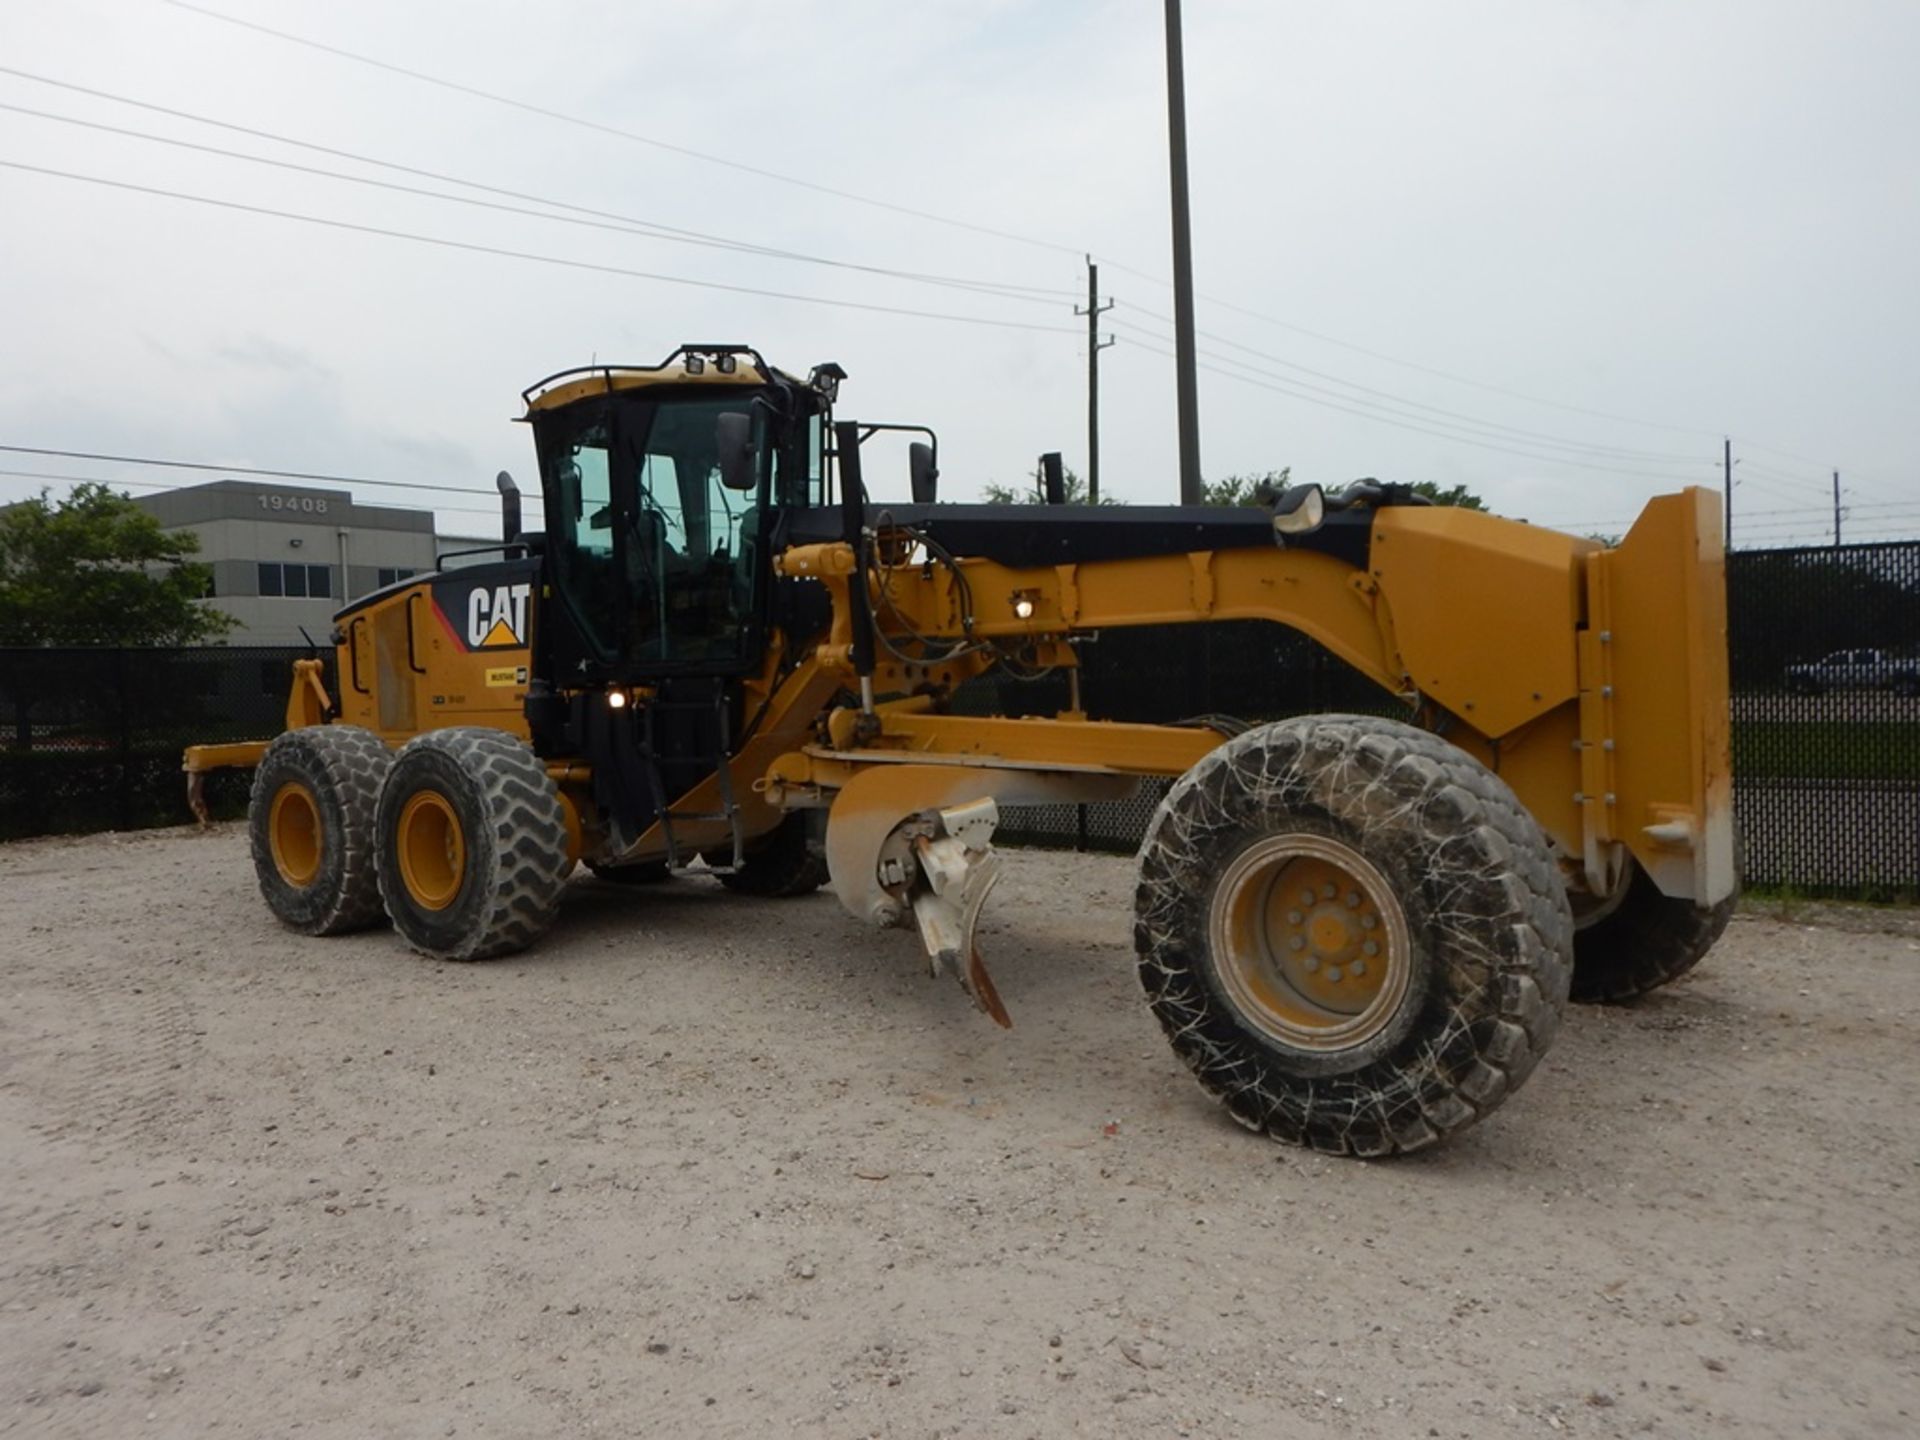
x,y
703,1165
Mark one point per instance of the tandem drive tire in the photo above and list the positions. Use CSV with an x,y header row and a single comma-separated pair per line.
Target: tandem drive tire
x,y
310,823
1640,941
472,844
782,864
1353,933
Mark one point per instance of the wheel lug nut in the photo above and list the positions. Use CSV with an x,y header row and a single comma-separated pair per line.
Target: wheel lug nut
x,y
1367,922
1313,963
1297,943
1372,947
1306,897
1333,972
1294,917
1358,968
1353,899
1328,890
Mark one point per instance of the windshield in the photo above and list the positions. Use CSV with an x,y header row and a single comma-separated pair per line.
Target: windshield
x,y
656,558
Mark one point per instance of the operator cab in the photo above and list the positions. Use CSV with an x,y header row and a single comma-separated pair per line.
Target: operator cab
x,y
661,487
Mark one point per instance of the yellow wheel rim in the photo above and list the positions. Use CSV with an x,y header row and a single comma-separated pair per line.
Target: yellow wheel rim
x,y
433,855
294,834
1309,943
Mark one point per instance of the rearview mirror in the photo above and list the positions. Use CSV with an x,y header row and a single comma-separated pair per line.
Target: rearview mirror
x,y
733,438
1299,510
926,479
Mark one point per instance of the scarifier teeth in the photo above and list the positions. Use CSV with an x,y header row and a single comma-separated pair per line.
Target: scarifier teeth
x,y
959,869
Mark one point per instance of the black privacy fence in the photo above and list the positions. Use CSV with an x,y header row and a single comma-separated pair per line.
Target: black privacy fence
x,y
1824,647
91,739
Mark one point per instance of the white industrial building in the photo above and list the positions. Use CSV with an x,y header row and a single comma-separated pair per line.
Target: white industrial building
x,y
286,557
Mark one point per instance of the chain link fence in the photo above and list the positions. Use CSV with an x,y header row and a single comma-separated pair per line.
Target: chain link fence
x,y
1824,649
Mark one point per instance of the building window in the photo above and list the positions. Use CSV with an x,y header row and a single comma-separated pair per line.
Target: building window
x,y
299,582
393,576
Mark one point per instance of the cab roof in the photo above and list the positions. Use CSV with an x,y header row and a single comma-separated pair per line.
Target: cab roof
x,y
721,366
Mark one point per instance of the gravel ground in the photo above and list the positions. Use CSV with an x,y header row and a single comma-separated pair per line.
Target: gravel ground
x,y
702,1165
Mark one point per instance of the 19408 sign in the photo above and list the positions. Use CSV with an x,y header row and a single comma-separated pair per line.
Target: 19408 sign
x,y
306,504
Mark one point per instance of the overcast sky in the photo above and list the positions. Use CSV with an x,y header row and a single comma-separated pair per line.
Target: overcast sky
x,y
1551,250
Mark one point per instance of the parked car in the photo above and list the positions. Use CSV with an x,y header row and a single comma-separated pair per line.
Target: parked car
x,y
1856,670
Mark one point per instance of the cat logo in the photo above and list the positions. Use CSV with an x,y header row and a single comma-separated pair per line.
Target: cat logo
x,y
497,616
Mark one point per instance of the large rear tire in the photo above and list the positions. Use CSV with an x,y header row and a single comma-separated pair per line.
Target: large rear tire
x,y
787,862
1353,933
1641,940
472,844
310,825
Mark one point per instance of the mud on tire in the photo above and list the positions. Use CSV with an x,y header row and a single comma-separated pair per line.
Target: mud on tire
x,y
472,844
310,825
1448,859
1642,942
786,862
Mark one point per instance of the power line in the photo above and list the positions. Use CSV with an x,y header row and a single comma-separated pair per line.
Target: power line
x,y
1289,388
649,230
652,229
1793,510
1535,437
548,113
319,477
163,485
478,249
930,216
618,133
1821,484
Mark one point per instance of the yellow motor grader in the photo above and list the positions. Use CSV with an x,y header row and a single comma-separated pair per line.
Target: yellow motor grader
x,y
718,656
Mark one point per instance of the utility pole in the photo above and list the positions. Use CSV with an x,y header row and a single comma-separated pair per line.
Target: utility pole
x,y
1095,345
1727,456
1836,509
1184,365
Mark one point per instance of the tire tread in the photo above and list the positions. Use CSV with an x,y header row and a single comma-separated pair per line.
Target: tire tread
x,y
1512,933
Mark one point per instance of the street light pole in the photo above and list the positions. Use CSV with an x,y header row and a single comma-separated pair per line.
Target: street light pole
x,y
1188,380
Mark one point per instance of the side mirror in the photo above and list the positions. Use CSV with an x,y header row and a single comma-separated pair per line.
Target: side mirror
x,y
733,439
926,479
1299,510
1053,478
509,507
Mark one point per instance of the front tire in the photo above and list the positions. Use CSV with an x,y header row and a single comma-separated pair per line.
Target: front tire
x,y
472,844
310,824
1353,933
1642,940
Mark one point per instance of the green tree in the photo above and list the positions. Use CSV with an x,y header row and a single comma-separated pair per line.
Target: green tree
x,y
95,569
1251,489
1246,489
1453,495
1034,492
